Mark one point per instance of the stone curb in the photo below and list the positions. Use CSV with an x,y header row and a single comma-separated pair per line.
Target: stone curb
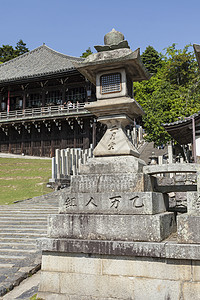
x,y
166,249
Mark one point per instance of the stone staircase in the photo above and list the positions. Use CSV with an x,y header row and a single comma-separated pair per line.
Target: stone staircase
x,y
21,224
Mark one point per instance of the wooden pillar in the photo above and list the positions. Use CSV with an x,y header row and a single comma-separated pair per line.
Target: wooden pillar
x,y
8,102
63,93
24,100
86,138
22,139
43,96
10,139
94,134
1,98
42,140
75,133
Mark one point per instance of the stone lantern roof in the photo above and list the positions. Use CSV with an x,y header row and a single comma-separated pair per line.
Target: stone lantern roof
x,y
120,56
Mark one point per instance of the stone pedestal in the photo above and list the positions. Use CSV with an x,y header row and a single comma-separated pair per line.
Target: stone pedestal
x,y
106,203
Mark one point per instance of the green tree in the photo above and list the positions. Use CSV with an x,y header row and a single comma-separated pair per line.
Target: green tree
x,y
21,48
86,53
151,59
172,92
181,65
7,52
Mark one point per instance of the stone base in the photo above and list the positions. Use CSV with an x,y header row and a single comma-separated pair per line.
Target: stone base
x,y
112,227
188,228
72,276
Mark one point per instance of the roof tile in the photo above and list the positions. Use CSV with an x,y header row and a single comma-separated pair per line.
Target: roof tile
x,y
38,62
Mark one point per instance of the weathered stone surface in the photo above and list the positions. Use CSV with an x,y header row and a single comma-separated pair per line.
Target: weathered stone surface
x,y
110,277
193,203
96,285
112,227
148,249
191,290
107,183
53,296
112,165
68,263
156,289
113,203
196,270
188,228
165,249
147,267
182,251
171,168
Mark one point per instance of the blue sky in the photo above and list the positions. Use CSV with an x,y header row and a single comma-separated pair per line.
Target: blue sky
x,y
72,26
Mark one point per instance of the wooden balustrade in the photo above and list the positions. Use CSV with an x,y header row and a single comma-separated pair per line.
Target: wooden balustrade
x,y
45,111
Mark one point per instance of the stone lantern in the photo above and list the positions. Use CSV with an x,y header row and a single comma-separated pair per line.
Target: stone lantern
x,y
109,209
113,69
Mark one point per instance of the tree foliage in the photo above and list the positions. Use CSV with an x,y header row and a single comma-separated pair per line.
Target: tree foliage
x,y
151,59
172,92
86,53
7,52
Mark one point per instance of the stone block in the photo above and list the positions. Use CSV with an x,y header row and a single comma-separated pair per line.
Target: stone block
x,y
113,203
94,183
66,263
191,290
112,227
49,282
193,203
146,289
196,271
97,286
154,268
112,165
188,228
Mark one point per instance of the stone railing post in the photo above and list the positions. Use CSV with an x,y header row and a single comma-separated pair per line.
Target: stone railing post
x,y
58,163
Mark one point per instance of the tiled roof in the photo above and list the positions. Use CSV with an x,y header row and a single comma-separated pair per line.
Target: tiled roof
x,y
181,130
183,121
36,63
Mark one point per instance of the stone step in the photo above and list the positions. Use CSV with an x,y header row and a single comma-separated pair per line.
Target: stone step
x,y
2,265
42,218
21,224
15,251
18,239
28,210
11,257
16,225
25,230
21,234
14,245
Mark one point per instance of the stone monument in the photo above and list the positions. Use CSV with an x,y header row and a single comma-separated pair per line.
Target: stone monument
x,y
107,204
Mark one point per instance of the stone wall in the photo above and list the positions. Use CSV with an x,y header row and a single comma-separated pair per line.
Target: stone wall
x,y
110,277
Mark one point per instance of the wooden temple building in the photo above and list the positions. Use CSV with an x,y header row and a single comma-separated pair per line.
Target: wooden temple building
x,y
42,99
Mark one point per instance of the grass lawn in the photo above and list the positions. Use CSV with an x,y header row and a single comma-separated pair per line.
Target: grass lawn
x,y
23,178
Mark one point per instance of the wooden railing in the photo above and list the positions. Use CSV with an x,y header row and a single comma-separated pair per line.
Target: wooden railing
x,y
45,111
